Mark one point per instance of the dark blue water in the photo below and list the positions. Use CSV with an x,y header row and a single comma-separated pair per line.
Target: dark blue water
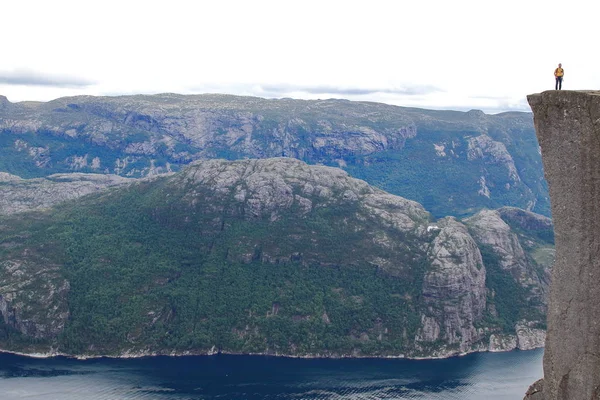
x,y
486,376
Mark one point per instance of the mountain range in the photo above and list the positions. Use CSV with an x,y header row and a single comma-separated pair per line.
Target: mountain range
x,y
267,256
175,224
454,163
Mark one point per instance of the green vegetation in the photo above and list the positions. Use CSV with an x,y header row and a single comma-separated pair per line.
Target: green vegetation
x,y
447,185
543,255
171,265
506,296
523,146
44,153
370,138
149,271
157,266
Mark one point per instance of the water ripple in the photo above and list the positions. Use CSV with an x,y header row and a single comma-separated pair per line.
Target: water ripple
x,y
497,376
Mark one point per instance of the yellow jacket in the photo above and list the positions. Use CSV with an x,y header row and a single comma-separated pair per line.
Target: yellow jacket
x,y
559,72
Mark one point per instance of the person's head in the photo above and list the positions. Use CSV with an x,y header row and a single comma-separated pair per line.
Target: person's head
x,y
559,65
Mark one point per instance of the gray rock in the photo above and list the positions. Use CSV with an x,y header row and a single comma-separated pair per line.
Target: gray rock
x,y
526,337
87,134
489,228
33,297
536,391
269,186
454,288
6,177
568,130
499,342
529,337
215,122
493,152
19,195
526,220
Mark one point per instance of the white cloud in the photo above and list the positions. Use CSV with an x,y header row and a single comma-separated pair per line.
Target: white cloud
x,y
429,53
25,77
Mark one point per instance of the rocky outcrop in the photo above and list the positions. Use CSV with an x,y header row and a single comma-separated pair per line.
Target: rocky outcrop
x,y
492,152
526,220
275,188
526,337
453,289
205,126
19,195
33,296
489,229
266,188
568,129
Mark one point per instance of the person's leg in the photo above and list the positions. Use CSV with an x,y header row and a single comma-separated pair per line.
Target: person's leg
x,y
560,83
556,83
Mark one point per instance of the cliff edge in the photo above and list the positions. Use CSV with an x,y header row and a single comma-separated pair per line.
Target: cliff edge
x,y
567,125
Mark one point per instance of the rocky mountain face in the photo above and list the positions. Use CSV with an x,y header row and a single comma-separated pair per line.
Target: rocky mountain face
x,y
268,256
19,195
567,127
183,128
454,163
454,289
33,299
491,230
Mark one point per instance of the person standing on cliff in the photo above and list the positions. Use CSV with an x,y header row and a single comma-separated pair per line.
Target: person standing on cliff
x,y
558,74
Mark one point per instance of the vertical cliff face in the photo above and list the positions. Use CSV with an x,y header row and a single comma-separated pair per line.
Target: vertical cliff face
x,y
454,289
568,129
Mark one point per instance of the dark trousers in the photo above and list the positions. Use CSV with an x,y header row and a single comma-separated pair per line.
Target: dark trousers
x,y
558,85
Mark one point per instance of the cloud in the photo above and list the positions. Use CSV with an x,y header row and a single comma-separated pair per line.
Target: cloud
x,y
420,96
413,90
26,77
502,103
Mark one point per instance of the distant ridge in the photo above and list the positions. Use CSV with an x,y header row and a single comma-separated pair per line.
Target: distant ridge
x,y
455,163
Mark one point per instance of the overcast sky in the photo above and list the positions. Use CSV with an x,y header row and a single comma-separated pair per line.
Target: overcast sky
x,y
436,54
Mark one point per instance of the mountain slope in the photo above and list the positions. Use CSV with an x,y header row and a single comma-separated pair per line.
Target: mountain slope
x,y
18,195
257,256
454,163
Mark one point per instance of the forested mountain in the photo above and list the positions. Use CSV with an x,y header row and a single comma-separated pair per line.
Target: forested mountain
x,y
454,163
260,256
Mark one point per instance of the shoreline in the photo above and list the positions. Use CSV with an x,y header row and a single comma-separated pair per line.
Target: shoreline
x,y
214,352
